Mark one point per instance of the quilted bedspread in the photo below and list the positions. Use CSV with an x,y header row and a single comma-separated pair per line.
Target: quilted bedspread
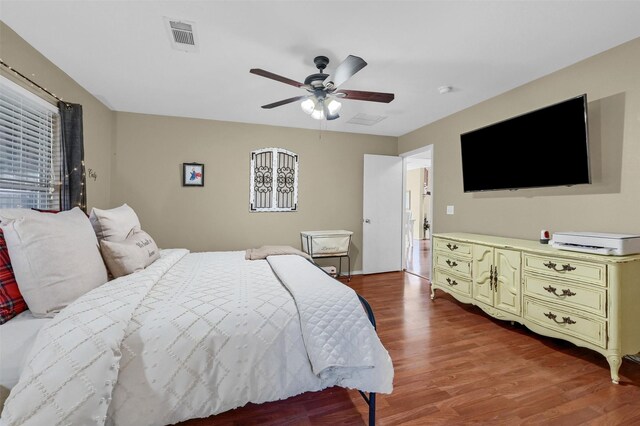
x,y
195,335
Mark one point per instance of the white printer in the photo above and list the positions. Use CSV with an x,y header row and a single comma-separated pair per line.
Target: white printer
x,y
598,243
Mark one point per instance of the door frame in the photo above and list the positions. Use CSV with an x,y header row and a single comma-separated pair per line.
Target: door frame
x,y
404,156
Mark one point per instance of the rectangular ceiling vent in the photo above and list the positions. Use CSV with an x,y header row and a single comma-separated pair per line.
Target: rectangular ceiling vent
x,y
366,119
182,34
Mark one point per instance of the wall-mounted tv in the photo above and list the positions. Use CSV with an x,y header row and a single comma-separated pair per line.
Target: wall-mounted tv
x,y
545,147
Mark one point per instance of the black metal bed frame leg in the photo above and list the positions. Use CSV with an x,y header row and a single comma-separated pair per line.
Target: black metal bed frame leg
x,y
371,400
369,311
372,409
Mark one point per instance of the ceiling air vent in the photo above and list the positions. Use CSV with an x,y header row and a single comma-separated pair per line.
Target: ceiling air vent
x,y
182,34
366,119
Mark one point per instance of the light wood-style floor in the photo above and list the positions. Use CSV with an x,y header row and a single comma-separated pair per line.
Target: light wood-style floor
x,y
419,258
456,366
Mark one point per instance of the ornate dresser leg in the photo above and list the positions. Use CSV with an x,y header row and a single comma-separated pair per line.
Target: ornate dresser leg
x,y
433,292
614,366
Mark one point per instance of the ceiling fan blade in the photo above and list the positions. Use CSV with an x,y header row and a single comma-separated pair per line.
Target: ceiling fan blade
x,y
276,77
358,95
344,71
284,102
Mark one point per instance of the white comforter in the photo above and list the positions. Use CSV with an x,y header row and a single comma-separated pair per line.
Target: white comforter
x,y
195,335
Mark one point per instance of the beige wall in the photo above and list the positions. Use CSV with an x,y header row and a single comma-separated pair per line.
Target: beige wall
x,y
147,175
611,203
98,120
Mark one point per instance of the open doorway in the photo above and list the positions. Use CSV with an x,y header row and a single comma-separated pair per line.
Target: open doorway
x,y
418,200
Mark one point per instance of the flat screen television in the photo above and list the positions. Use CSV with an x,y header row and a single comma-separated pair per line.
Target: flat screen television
x,y
545,147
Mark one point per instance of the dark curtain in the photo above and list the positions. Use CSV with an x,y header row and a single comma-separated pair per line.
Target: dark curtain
x,y
72,143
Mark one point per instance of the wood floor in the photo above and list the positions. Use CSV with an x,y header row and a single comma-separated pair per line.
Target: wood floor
x,y
419,258
456,366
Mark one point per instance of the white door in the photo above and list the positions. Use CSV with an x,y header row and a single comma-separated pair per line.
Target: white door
x,y
382,214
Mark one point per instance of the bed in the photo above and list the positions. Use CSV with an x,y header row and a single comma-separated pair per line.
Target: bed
x,y
193,335
16,339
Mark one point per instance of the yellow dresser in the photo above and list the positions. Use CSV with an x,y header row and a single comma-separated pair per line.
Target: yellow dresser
x,y
590,300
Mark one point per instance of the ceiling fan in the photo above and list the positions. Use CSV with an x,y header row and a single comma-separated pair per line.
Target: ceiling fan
x,y
324,92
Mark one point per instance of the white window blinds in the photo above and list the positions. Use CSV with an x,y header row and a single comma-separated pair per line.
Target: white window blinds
x,y
30,157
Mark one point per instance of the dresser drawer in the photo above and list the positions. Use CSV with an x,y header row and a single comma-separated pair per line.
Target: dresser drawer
x,y
552,266
553,317
452,282
454,247
452,264
582,297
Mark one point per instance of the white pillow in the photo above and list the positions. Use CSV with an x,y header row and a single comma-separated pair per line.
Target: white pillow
x,y
16,213
114,224
133,254
55,258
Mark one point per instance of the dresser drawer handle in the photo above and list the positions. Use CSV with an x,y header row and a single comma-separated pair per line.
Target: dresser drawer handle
x,y
493,276
451,282
554,317
451,264
553,266
452,247
565,292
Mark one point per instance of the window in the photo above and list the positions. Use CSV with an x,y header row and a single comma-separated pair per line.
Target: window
x,y
274,180
30,158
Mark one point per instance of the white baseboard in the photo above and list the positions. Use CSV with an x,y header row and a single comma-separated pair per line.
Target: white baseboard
x,y
345,274
634,358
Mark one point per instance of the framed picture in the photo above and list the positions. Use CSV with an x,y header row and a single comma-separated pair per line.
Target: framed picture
x,y
192,174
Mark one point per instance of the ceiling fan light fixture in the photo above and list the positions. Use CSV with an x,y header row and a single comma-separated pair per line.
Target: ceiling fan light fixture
x,y
308,105
318,112
319,109
334,107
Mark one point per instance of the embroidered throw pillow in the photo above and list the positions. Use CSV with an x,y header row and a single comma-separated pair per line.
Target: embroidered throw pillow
x,y
114,224
133,254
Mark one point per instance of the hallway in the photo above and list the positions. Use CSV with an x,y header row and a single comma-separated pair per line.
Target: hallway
x,y
419,258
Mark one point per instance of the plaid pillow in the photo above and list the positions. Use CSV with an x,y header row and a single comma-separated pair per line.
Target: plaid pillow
x,y
11,301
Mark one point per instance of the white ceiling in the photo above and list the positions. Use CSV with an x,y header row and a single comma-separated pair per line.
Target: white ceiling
x,y
120,52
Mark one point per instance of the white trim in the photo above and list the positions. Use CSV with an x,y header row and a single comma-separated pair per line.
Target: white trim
x,y
4,81
404,156
418,151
